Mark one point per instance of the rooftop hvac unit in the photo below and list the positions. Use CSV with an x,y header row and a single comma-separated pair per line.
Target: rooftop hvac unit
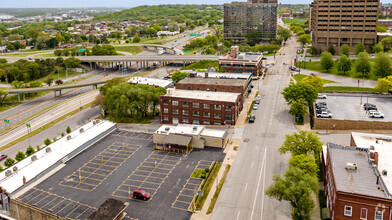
x,y
48,150
81,130
8,173
167,129
94,122
98,121
34,158
69,137
351,166
15,169
371,147
384,172
194,128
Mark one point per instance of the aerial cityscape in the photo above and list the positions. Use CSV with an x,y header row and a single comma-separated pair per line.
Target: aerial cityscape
x,y
243,110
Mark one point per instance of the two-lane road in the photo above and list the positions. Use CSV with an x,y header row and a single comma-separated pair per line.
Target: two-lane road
x,y
258,159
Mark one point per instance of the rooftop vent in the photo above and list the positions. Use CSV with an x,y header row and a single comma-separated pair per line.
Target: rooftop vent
x,y
371,147
8,173
15,169
48,150
194,128
81,130
167,129
351,166
384,172
34,158
69,137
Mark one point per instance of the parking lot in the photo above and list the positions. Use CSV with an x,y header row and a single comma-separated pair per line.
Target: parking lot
x,y
113,168
349,107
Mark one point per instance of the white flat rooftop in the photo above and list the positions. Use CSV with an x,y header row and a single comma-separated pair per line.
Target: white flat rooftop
x,y
151,81
383,146
224,75
203,95
59,149
180,129
214,133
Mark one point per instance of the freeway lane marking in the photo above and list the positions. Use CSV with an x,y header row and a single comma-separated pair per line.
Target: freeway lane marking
x,y
246,186
264,171
258,184
238,215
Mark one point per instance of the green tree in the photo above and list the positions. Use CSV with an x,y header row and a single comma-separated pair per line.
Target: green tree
x,y
305,163
1,168
192,26
312,50
49,81
331,50
295,187
20,156
182,29
381,28
253,38
377,48
382,65
344,64
345,49
30,151
283,32
58,82
58,53
72,62
304,39
47,141
316,81
32,33
359,48
299,108
384,84
301,142
362,64
178,76
34,84
68,130
300,90
9,162
326,60
3,95
136,38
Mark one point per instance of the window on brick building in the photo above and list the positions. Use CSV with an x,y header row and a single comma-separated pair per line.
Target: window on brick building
x,y
165,118
378,215
185,112
363,214
195,105
217,116
185,120
175,111
348,210
196,113
186,104
196,122
165,110
175,121
217,107
206,122
206,114
165,101
228,108
228,117
206,106
174,102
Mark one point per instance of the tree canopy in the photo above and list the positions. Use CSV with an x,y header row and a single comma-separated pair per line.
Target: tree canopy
x,y
344,64
304,39
345,49
301,142
362,63
300,90
305,163
326,60
382,65
316,81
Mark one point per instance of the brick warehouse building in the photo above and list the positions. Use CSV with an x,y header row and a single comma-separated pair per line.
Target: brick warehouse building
x,y
354,186
200,107
334,23
236,62
241,86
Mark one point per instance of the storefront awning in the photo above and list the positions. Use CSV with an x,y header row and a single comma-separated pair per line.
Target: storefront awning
x,y
176,139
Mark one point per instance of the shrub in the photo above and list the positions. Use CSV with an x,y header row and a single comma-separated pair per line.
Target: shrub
x,y
38,148
203,176
47,141
1,168
68,130
62,134
9,162
29,151
207,170
20,156
54,139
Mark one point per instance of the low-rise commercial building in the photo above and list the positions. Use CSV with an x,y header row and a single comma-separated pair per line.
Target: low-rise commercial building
x,y
151,82
200,107
186,137
356,180
241,86
236,62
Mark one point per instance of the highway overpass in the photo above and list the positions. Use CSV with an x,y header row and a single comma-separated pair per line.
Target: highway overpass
x,y
176,50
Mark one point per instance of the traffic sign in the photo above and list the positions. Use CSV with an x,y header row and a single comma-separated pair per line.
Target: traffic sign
x,y
7,121
199,193
28,125
188,51
198,35
81,50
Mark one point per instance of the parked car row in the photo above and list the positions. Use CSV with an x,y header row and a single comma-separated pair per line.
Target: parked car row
x,y
252,118
322,110
322,96
372,111
293,68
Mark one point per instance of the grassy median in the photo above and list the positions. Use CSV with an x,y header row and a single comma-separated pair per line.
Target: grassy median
x,y
216,195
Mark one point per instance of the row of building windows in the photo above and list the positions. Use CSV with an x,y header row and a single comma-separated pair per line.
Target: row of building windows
x,y
195,121
348,211
346,30
195,113
197,105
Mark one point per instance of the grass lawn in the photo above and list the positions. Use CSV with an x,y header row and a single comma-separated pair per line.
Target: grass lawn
x,y
347,89
299,77
203,64
294,21
130,49
216,195
197,173
206,187
20,54
315,66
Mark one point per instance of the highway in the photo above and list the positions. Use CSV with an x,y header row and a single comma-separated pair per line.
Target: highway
x,y
258,159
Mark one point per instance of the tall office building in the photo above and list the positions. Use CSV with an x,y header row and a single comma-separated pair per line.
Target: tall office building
x,y
338,22
242,18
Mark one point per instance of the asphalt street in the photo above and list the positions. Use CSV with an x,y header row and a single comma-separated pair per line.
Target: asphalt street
x,y
258,159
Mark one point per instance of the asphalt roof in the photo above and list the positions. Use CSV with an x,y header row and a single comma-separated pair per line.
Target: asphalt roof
x,y
110,209
178,139
360,181
213,81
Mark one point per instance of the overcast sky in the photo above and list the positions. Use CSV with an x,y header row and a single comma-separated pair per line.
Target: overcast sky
x,y
111,3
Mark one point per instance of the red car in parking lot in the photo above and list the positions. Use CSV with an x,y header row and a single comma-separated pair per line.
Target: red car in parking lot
x,y
3,156
141,194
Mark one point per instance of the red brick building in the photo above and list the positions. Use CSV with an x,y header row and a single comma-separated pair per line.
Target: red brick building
x,y
200,107
236,62
354,186
241,86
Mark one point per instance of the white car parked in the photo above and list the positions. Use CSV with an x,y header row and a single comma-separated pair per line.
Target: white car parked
x,y
322,96
325,114
376,115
